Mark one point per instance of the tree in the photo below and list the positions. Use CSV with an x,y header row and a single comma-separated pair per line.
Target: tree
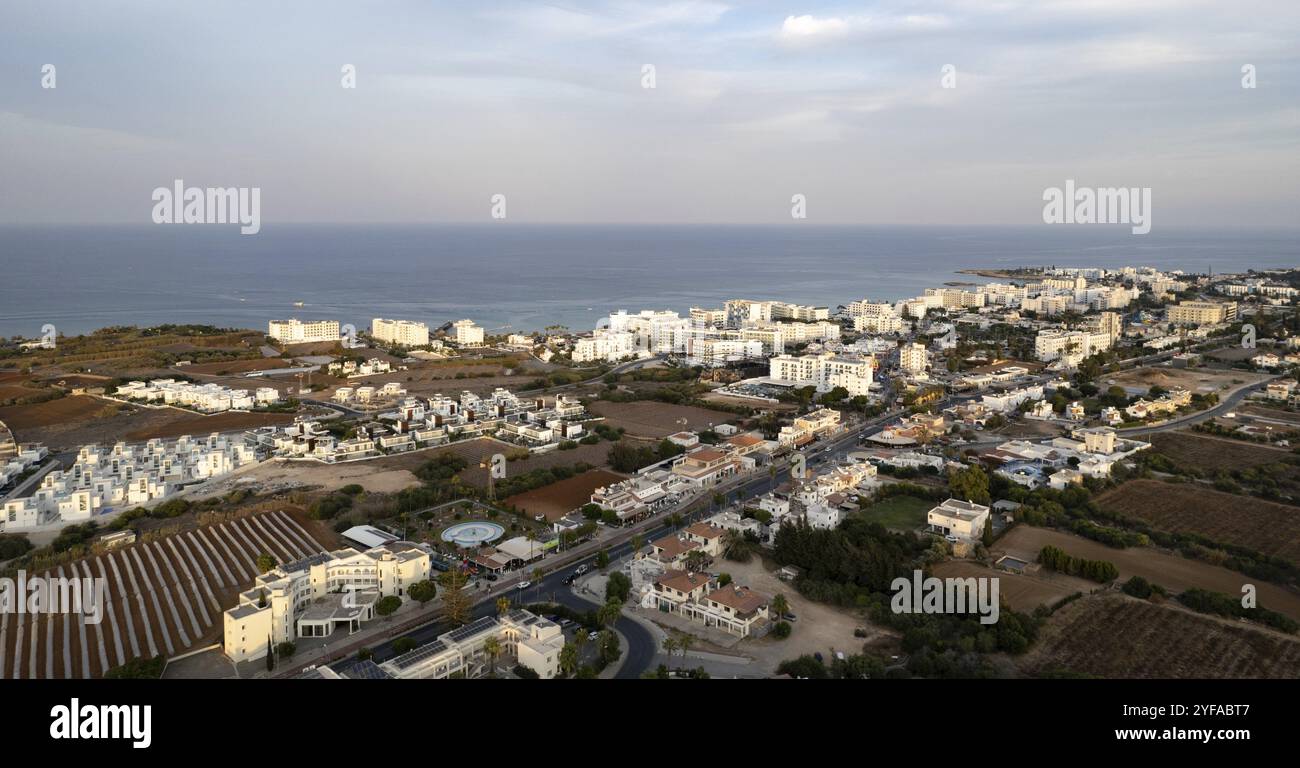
x,y
423,591
670,645
265,562
568,658
618,587
286,649
987,538
503,605
387,605
404,645
609,613
454,600
638,541
492,648
270,655
970,483
780,606
602,559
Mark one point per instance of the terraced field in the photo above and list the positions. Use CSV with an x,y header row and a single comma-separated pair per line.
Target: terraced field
x,y
162,597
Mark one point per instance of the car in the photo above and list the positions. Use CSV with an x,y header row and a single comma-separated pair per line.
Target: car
x,y
569,579
789,617
582,569
490,576
523,585
593,635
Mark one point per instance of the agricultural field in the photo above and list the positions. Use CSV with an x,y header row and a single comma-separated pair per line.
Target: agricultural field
x,y
1210,453
1173,572
655,420
1023,592
1116,636
1263,526
164,596
558,499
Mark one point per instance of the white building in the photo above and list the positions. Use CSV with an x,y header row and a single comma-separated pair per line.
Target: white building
x,y
294,331
319,595
127,475
1070,347
824,371
403,333
655,332
604,344
467,334
913,358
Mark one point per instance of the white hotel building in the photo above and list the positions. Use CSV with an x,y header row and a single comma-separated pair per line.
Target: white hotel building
x,y
825,371
655,332
1070,347
318,595
604,344
405,333
294,331
467,334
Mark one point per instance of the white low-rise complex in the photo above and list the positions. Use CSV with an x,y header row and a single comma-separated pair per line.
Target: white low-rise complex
x,y
103,480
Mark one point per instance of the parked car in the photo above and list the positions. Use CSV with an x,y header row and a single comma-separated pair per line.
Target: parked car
x,y
582,569
789,617
593,635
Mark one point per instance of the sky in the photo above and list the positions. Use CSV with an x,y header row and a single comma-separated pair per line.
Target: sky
x,y
753,103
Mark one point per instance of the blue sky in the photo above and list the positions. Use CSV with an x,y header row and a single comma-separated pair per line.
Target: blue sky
x,y
754,102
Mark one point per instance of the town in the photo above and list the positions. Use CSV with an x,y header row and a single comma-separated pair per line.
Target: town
x,y
724,492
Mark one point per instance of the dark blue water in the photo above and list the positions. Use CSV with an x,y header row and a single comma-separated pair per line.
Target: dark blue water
x,y
527,277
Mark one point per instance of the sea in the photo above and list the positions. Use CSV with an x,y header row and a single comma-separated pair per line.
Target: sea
x,y
511,277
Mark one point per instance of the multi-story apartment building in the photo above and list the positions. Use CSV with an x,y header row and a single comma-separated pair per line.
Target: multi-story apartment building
x,y
1069,346
1202,312
825,371
295,331
605,344
404,333
467,334
658,333
913,358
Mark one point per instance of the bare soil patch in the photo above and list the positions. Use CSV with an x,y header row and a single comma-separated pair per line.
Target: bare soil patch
x,y
652,419
558,499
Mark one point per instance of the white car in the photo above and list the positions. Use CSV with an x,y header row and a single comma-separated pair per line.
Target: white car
x,y
523,585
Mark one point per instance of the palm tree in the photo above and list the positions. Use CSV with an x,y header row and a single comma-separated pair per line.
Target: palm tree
x,y
780,606
569,658
503,605
685,642
670,645
717,501
771,473
537,581
492,648
608,613
638,541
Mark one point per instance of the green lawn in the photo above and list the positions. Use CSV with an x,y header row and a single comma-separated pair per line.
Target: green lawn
x,y
901,513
